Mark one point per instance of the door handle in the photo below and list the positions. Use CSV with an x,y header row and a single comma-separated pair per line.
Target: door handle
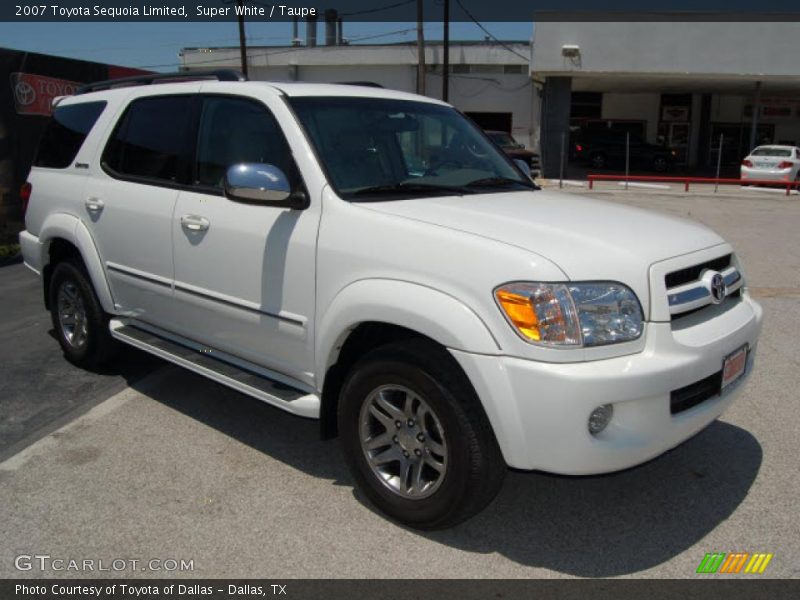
x,y
94,205
194,223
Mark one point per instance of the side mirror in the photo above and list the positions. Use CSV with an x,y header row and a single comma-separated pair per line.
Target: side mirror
x,y
523,166
262,183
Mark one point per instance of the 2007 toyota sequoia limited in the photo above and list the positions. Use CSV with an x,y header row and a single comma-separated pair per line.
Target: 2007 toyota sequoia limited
x,y
371,259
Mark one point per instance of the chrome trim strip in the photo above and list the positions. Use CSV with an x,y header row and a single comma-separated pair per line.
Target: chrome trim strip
x,y
237,303
695,294
731,277
136,273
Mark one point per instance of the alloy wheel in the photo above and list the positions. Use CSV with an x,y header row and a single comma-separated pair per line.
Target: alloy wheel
x,y
72,315
403,441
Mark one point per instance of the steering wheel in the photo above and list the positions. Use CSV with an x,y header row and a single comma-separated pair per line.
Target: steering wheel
x,y
431,170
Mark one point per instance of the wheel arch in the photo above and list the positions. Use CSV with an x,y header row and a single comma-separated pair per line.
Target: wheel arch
x,y
370,313
64,236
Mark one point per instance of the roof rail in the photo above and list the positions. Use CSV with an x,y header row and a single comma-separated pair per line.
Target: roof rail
x,y
218,74
361,83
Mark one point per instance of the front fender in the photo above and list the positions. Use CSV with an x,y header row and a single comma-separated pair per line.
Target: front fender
x,y
425,310
74,231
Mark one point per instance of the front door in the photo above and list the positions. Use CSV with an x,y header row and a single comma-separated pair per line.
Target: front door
x,y
244,272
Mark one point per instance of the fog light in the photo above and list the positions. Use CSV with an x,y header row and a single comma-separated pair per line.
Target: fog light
x,y
600,418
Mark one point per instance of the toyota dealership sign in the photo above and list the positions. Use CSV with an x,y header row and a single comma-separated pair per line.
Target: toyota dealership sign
x,y
34,94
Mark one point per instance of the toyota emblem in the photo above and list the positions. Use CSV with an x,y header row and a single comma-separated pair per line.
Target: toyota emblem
x,y
717,288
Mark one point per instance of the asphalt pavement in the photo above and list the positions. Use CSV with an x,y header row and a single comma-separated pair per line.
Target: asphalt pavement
x,y
39,390
170,466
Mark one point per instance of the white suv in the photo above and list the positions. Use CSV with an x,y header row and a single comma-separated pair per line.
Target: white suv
x,y
369,258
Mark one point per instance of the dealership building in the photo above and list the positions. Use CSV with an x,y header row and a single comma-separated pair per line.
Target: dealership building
x,y
680,84
488,81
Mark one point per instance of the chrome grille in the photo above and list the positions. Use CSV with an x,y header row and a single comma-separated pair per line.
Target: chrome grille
x,y
690,289
689,274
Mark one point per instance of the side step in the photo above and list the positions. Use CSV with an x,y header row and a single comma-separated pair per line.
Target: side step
x,y
214,365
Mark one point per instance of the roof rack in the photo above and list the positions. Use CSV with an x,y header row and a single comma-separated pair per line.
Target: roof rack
x,y
218,74
361,83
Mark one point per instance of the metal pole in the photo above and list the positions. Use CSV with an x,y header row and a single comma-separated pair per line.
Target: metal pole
x,y
627,156
754,124
420,51
242,42
446,52
561,170
719,161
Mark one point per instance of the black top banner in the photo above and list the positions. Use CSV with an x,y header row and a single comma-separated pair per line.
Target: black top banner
x,y
398,10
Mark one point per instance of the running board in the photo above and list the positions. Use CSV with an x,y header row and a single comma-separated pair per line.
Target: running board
x,y
202,361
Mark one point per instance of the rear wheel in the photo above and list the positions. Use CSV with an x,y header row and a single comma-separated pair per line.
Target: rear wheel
x,y
415,436
80,324
660,164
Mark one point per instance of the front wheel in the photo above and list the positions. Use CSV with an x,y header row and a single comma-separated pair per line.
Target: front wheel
x,y
416,438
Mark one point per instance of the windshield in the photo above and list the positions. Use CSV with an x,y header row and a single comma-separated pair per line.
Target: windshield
x,y
373,148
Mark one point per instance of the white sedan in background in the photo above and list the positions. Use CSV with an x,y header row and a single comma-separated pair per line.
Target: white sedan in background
x,y
772,163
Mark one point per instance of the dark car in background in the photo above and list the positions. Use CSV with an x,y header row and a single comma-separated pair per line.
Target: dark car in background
x,y
515,150
605,149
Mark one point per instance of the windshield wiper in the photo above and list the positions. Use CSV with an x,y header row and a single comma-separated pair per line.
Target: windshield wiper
x,y
500,182
410,187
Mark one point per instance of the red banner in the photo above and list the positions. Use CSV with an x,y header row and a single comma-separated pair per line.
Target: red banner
x,y
34,94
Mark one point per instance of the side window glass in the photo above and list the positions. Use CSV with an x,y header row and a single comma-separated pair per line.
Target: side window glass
x,y
65,134
236,130
153,139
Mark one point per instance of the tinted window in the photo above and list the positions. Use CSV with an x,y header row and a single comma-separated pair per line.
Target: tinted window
x,y
235,130
767,151
153,139
65,134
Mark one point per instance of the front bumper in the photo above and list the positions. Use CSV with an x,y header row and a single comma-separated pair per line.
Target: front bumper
x,y
539,411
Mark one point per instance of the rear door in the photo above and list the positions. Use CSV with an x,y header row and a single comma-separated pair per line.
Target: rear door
x,y
245,272
130,202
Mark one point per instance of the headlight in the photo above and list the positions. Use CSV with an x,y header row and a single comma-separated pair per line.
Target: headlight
x,y
572,314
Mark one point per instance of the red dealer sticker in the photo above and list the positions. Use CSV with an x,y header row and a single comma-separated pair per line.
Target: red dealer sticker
x,y
34,94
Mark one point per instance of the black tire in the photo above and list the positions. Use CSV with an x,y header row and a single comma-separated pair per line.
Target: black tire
x,y
598,160
474,466
98,346
660,164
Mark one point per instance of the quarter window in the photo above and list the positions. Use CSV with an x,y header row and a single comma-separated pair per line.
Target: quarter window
x,y
65,134
152,141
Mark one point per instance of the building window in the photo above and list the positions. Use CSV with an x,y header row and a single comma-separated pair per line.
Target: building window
x,y
515,69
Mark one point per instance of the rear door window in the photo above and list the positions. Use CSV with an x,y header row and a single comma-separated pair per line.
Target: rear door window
x,y
153,140
65,134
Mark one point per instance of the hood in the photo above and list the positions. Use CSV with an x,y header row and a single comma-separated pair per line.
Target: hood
x,y
588,239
